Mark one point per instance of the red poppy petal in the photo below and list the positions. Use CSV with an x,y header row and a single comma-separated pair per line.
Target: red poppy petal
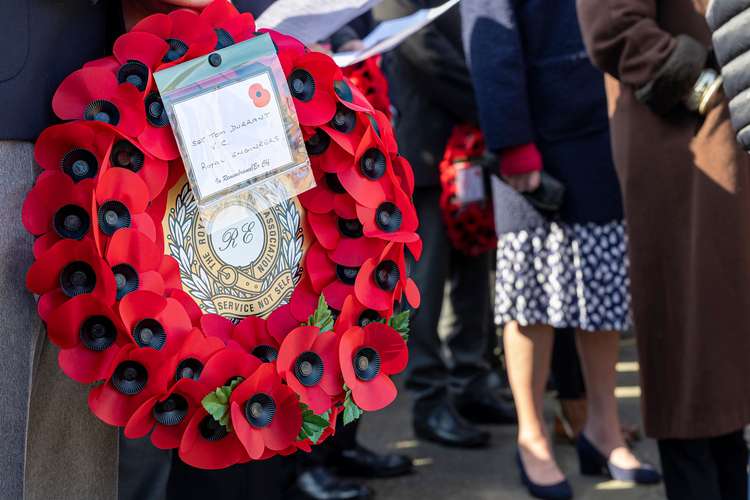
x,y
281,322
56,141
124,185
198,452
80,88
86,366
287,421
141,46
158,24
188,304
391,346
160,142
250,437
367,291
320,269
217,326
325,229
317,200
170,271
298,341
353,252
375,394
412,294
134,248
335,293
327,346
49,302
217,13
303,300
142,421
167,437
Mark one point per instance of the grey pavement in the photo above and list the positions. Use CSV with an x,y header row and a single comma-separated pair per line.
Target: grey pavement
x,y
485,474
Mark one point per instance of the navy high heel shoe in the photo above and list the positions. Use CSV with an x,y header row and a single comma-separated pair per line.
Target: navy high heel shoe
x,y
594,463
557,491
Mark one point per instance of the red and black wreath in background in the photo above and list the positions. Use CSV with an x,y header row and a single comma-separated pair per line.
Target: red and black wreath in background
x,y
220,392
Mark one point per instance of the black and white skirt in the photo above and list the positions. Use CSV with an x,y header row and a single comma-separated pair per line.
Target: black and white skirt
x,y
564,275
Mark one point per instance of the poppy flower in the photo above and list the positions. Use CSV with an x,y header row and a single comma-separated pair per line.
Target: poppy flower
x,y
311,87
288,49
226,365
404,173
229,25
280,322
128,155
350,96
347,127
135,56
206,444
259,95
76,148
394,219
121,202
328,195
134,376
165,416
157,137
187,34
56,208
343,238
334,281
253,336
184,298
72,268
95,94
383,280
89,335
195,351
135,261
155,321
355,314
370,179
265,413
215,325
326,154
370,80
381,123
368,356
308,363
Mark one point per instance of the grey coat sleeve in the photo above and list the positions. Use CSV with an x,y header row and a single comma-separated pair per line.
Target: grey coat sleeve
x,y
730,22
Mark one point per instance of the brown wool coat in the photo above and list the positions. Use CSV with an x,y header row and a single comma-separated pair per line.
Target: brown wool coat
x,y
686,189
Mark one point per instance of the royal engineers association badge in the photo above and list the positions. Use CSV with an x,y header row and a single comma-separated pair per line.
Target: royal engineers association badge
x,y
240,262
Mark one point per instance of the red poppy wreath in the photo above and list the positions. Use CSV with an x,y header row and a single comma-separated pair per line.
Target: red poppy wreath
x,y
169,351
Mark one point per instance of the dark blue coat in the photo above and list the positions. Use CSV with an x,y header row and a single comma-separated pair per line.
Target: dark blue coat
x,y
534,83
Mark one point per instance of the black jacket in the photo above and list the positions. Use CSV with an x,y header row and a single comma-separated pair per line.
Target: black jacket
x,y
429,87
730,22
44,41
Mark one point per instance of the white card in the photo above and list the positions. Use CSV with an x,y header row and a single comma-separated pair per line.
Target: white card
x,y
469,183
233,134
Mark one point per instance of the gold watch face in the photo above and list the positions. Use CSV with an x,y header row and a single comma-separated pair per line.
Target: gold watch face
x,y
239,262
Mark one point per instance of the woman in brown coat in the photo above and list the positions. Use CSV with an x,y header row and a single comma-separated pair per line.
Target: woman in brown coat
x,y
686,190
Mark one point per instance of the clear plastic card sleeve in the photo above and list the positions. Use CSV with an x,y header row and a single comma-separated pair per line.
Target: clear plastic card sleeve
x,y
236,128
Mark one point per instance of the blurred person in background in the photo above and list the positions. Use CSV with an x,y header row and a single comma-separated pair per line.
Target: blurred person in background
x,y
431,92
686,189
542,106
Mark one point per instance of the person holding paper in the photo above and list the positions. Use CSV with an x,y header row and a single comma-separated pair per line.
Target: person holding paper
x,y
686,185
431,91
543,112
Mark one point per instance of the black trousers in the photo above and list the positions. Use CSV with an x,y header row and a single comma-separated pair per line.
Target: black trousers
x,y
705,469
428,375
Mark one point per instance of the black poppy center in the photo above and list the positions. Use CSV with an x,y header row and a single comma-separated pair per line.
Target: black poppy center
x,y
334,184
351,228
150,333
125,154
113,215
177,49
77,278
372,164
71,221
265,353
317,143
135,73
97,333
223,38
129,378
155,112
368,316
126,279
188,368
343,90
171,411
260,409
344,120
102,111
387,275
79,164
302,85
366,364
388,217
211,430
346,275
308,368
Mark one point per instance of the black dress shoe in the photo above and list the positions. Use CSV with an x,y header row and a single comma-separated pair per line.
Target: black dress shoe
x,y
485,408
361,462
319,483
443,425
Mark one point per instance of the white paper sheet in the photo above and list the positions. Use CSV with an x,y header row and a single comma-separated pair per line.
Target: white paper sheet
x,y
389,34
312,20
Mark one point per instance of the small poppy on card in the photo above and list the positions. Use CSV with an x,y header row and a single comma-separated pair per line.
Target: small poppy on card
x,y
260,96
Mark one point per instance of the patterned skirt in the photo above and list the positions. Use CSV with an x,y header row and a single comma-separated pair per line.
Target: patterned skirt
x,y
564,275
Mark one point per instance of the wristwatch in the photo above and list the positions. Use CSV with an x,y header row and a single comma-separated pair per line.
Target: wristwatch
x,y
706,93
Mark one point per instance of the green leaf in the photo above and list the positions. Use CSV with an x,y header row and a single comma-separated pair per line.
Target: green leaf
x,y
216,403
322,317
400,323
352,412
313,425
213,406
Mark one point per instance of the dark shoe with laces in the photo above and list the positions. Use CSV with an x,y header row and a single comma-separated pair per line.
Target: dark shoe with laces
x,y
594,463
319,483
362,462
443,425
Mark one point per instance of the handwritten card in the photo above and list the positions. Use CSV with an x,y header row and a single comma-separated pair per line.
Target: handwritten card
x,y
469,183
233,134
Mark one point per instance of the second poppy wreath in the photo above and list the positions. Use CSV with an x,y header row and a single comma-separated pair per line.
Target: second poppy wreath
x,y
152,316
